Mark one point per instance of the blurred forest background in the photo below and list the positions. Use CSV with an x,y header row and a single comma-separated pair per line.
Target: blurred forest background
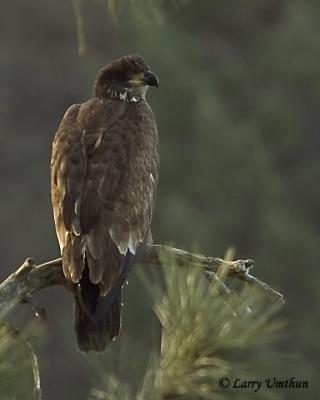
x,y
238,118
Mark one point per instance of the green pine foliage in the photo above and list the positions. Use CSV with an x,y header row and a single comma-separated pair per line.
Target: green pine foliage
x,y
204,338
16,376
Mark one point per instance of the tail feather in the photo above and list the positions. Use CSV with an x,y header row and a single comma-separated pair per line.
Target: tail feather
x,y
96,333
97,318
97,289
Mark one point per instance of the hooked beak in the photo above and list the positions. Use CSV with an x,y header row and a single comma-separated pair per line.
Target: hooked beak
x,y
151,79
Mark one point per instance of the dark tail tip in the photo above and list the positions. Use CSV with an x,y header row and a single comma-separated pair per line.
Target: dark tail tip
x,y
95,331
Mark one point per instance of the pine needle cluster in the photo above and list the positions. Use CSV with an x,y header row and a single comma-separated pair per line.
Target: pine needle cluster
x,y
16,376
205,337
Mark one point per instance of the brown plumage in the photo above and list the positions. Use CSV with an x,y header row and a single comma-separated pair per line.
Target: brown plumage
x,y
104,172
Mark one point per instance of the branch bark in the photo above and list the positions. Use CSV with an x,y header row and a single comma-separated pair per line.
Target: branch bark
x,y
30,278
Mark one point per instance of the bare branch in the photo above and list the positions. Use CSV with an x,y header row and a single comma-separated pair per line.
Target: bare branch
x,y
30,278
239,269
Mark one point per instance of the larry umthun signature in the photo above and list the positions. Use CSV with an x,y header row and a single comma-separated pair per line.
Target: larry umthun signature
x,y
270,383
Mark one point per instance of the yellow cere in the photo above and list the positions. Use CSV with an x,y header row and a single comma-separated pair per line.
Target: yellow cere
x,y
137,79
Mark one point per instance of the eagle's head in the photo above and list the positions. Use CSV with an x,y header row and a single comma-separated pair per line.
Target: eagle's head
x,y
126,79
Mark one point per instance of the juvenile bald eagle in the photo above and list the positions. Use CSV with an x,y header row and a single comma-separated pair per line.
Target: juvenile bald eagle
x,y
104,172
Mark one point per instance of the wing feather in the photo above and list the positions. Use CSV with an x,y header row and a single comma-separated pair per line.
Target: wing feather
x,y
104,176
